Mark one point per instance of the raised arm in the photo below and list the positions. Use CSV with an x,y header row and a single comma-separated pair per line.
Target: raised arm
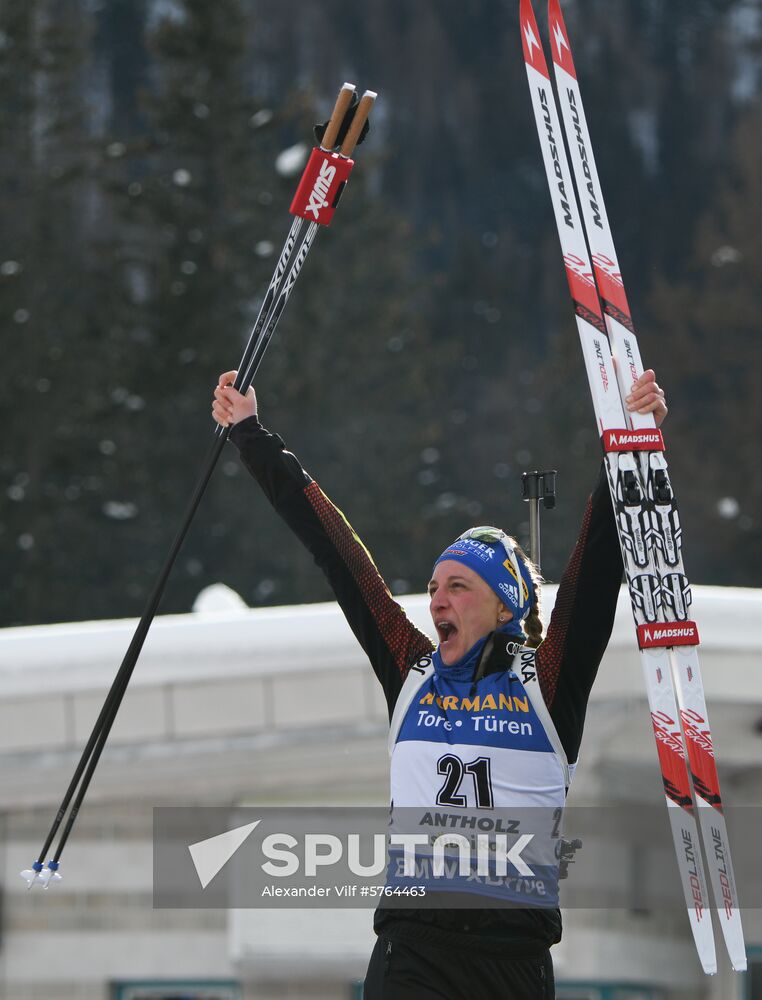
x,y
389,639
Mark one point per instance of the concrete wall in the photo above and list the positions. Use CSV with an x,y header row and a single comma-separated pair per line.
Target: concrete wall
x,y
278,706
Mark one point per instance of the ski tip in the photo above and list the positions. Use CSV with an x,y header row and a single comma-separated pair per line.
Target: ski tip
x,y
530,38
559,39
739,966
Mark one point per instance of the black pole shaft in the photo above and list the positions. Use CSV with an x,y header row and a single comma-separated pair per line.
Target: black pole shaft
x,y
252,357
259,339
111,705
246,376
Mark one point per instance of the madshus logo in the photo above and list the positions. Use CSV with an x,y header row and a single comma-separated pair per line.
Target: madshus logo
x,y
584,157
627,440
565,207
668,634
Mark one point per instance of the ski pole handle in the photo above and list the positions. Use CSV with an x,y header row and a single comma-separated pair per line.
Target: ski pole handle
x,y
340,109
363,110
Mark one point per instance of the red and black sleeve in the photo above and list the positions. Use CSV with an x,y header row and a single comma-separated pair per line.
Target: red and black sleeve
x,y
582,619
389,639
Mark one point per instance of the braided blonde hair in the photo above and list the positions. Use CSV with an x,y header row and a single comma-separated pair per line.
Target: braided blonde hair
x,y
532,624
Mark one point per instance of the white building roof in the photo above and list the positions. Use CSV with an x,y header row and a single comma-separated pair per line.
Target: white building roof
x,y
213,688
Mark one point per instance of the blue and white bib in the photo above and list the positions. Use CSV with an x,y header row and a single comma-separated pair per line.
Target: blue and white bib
x,y
462,751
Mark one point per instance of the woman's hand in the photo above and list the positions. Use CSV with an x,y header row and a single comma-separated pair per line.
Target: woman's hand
x,y
647,397
229,406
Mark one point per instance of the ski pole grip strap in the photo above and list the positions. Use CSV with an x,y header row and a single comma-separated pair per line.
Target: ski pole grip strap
x,y
361,116
340,109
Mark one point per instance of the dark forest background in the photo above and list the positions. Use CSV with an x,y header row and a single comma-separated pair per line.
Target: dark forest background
x,y
428,355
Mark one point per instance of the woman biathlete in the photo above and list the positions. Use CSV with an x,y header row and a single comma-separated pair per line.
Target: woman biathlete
x,y
485,610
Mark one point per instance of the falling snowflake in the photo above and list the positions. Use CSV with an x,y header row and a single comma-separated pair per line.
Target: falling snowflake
x,y
260,118
290,161
119,511
728,508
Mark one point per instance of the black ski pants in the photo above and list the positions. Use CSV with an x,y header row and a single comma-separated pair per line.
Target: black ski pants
x,y
421,972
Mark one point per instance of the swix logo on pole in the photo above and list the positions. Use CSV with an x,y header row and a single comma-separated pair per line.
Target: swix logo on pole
x,y
668,634
627,440
321,186
320,190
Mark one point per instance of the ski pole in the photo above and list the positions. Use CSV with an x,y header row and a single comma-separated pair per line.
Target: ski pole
x,y
316,199
329,139
246,377
538,486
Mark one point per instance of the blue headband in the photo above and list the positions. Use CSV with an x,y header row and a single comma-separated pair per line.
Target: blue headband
x,y
491,562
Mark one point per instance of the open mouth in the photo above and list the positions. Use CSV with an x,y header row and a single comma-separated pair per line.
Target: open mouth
x,y
445,631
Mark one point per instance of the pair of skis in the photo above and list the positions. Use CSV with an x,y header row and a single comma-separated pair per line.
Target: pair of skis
x,y
646,511
315,201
